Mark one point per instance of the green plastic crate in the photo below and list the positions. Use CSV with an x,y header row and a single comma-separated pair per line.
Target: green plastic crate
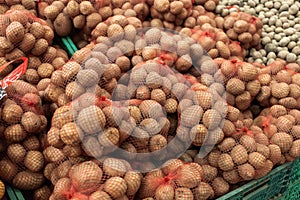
x,y
68,45
14,194
282,183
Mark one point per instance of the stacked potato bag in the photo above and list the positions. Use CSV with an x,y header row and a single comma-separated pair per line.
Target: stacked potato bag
x,y
22,33
241,82
22,121
83,16
281,126
175,180
253,148
110,179
24,113
244,28
216,42
280,85
29,5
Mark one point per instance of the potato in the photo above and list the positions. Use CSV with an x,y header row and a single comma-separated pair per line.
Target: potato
x,y
32,102
70,134
203,191
31,122
32,76
12,113
115,186
49,55
2,189
49,34
93,19
220,186
34,161
51,12
86,177
37,30
8,169
52,154
257,160
14,54
114,167
15,133
15,32
295,150
63,25
45,70
43,84
99,195
91,119
32,143
239,154
86,8
165,191
40,47
27,43
283,140
62,185
79,21
246,171
16,152
232,176
133,180
6,46
72,9
26,180
42,193
188,176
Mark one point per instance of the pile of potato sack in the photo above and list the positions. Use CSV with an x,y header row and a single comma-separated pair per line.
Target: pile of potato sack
x,y
157,103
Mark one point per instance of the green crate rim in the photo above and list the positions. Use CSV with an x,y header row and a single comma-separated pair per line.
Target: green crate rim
x,y
14,194
69,45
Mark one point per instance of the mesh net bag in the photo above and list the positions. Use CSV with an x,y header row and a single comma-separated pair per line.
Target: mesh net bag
x,y
116,25
209,5
22,164
244,28
29,5
279,85
22,121
63,87
241,81
216,42
280,125
66,16
252,148
110,179
174,180
194,17
23,34
144,106
171,11
42,193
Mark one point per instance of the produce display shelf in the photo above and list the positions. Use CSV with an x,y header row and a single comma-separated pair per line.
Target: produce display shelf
x,y
282,183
